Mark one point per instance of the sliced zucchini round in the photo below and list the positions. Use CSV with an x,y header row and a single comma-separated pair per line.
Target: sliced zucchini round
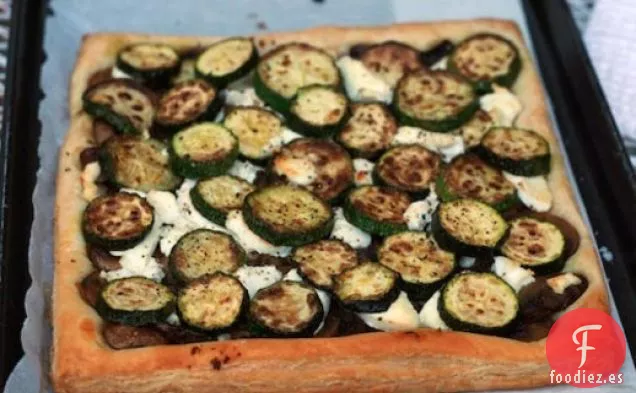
x,y
320,262
255,128
369,131
286,309
377,210
216,196
122,103
186,103
474,129
486,58
227,60
186,72
138,164
318,111
151,63
117,221
537,245
202,252
282,72
434,100
515,150
422,265
321,166
368,287
285,215
468,227
467,176
479,303
409,168
390,60
203,150
135,301
212,303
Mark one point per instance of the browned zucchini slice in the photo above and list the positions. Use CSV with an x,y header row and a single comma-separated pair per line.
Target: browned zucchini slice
x,y
282,72
409,168
390,60
467,176
321,166
536,244
285,215
468,227
186,103
255,128
202,252
368,287
369,131
377,210
117,221
213,303
420,262
319,262
434,100
123,104
286,309
474,129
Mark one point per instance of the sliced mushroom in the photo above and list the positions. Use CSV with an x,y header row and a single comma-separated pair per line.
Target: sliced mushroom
x,y
102,131
437,52
180,335
357,50
350,323
124,336
90,287
539,300
88,155
99,76
529,332
284,265
331,325
102,259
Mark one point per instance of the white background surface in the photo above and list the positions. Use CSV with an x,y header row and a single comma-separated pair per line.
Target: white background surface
x,y
75,17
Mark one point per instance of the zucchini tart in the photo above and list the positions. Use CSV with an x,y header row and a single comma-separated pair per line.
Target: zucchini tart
x,y
310,211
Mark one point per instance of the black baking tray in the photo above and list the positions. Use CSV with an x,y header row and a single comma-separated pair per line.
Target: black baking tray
x,y
18,165
600,165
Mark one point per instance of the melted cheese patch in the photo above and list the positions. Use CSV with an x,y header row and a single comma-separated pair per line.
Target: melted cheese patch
x,y
255,278
429,315
447,145
502,106
534,192
420,213
249,240
561,282
347,232
400,316
363,171
91,172
361,84
512,273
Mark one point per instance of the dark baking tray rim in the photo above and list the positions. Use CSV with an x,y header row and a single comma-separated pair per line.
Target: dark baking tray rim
x,y
597,156
18,166
579,105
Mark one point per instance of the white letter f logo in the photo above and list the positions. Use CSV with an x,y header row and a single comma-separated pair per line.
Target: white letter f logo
x,y
584,347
